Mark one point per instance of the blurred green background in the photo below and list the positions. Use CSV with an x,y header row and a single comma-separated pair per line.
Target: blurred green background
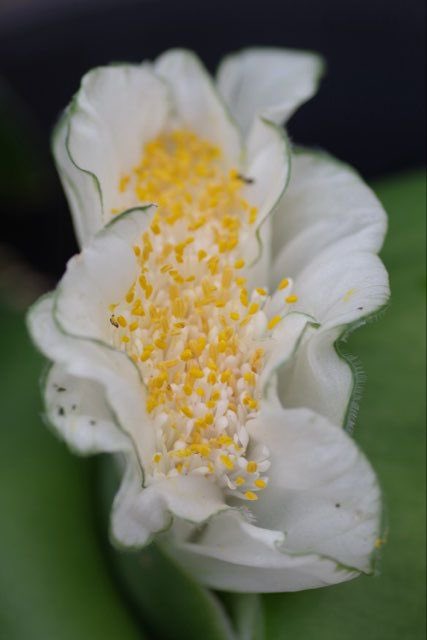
x,y
59,576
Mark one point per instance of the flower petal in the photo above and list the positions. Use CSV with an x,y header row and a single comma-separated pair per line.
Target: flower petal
x,y
139,512
100,137
268,82
100,275
322,492
77,409
234,555
326,201
330,225
342,285
197,105
284,342
267,166
90,360
81,189
339,288
316,523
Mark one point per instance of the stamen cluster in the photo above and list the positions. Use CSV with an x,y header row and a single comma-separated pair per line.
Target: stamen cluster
x,y
188,320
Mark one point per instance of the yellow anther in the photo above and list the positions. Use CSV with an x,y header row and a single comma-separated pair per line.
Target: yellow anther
x,y
253,404
249,377
133,326
122,321
239,264
187,354
244,297
227,277
253,308
197,346
225,375
195,372
251,467
160,344
291,299
187,411
253,213
262,292
274,321
123,183
234,315
227,462
213,264
201,254
157,457
260,483
137,250
250,495
202,449
222,346
169,364
239,481
125,339
283,284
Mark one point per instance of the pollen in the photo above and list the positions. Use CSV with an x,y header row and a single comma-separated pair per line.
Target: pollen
x,y
189,318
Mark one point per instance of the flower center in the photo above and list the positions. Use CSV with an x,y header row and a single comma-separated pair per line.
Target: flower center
x,y
188,320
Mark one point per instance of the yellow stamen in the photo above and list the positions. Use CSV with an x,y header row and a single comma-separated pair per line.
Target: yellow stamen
x,y
283,284
273,322
250,495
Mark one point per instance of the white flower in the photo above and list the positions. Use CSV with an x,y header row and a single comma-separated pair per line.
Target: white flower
x,y
198,338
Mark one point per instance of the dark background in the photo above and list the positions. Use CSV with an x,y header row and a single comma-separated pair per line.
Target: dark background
x,y
369,112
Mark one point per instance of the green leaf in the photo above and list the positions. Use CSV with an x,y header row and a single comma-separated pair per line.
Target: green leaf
x,y
54,580
390,429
